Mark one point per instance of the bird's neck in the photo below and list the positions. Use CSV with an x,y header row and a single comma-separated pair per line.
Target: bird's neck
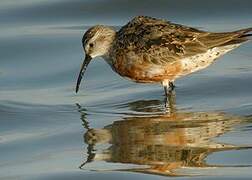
x,y
107,56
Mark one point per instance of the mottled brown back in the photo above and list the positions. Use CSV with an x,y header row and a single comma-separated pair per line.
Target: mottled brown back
x,y
162,42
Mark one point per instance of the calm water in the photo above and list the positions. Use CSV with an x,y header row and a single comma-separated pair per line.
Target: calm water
x,y
115,128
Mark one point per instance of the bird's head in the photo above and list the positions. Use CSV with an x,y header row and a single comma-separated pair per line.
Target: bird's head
x,y
96,42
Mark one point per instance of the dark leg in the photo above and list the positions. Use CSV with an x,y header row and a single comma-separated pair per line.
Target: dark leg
x,y
169,88
169,96
166,90
171,85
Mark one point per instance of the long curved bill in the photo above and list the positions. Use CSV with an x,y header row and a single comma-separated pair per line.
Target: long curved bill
x,y
82,71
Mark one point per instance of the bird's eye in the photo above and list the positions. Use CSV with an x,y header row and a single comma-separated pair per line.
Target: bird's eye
x,y
91,45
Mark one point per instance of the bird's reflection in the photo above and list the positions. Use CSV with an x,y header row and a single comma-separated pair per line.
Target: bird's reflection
x,y
165,142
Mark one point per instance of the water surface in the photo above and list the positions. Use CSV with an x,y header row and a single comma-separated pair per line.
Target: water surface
x,y
114,128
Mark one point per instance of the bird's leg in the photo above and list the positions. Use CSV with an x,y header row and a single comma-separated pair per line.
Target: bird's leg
x,y
168,87
171,101
169,97
166,90
165,84
171,85
169,92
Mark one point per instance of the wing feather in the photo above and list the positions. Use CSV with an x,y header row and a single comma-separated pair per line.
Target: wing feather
x,y
162,42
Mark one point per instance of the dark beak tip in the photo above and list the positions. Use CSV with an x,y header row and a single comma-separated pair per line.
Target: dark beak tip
x,y
82,71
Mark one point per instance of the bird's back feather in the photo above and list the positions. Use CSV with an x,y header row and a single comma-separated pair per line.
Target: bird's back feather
x,y
161,42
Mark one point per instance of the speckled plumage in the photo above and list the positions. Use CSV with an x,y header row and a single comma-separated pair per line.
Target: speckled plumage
x,y
152,50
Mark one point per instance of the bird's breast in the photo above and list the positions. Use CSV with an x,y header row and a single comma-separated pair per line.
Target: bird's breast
x,y
138,70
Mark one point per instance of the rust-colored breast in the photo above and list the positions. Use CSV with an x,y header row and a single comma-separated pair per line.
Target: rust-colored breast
x,y
140,70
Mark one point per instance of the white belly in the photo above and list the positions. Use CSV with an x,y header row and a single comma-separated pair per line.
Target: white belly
x,y
201,61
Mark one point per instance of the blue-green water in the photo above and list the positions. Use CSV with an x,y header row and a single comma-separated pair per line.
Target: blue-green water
x,y
119,128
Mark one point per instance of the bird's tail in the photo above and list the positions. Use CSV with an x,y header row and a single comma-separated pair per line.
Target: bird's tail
x,y
239,36
244,33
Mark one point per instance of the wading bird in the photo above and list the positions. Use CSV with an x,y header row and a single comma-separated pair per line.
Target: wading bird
x,y
149,50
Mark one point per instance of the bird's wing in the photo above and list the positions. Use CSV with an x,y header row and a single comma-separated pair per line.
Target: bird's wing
x,y
162,42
